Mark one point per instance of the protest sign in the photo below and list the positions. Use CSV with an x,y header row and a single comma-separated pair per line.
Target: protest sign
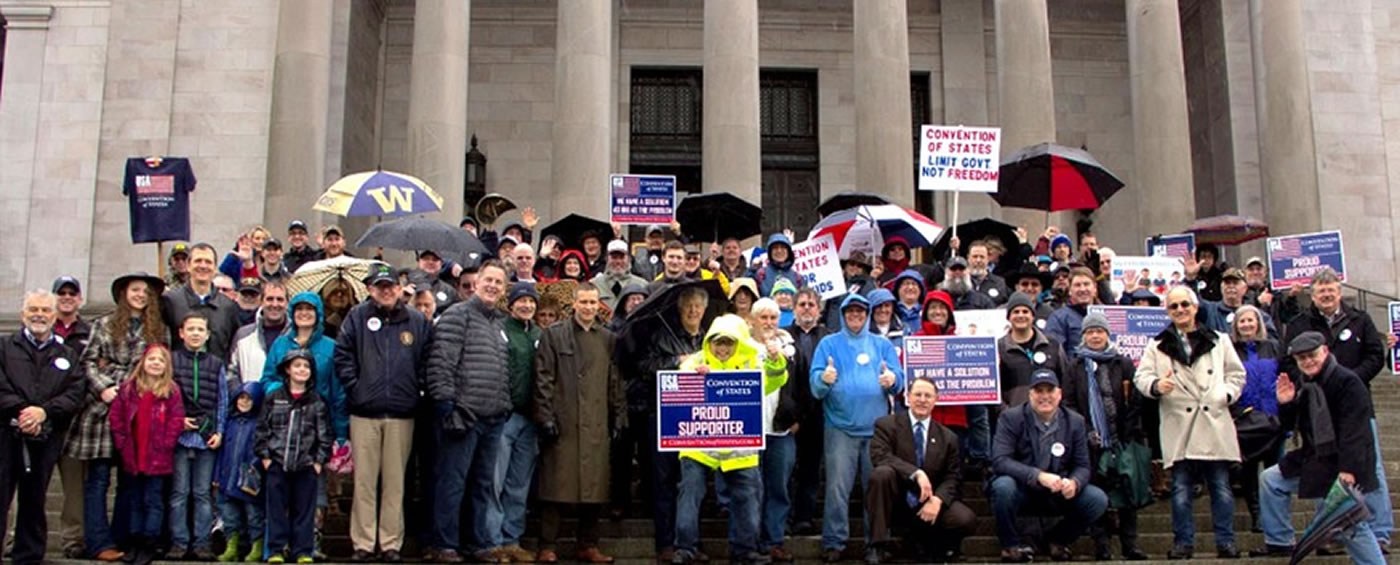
x,y
1180,245
1133,326
991,323
816,260
1394,308
643,199
959,158
1157,274
719,410
965,368
1294,259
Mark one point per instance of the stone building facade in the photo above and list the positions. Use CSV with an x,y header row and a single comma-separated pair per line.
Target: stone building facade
x,y
1286,110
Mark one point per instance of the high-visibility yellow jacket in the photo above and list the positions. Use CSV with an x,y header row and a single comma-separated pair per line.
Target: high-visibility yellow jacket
x,y
747,356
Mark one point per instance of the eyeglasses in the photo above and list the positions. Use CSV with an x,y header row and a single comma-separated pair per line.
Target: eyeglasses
x,y
1184,304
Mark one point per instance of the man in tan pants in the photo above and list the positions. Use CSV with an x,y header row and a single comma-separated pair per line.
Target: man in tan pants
x,y
380,356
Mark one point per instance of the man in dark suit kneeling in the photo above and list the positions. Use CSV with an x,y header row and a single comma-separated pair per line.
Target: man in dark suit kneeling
x,y
1041,461
915,480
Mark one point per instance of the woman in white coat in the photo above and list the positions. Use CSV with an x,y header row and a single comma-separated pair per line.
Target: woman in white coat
x,y
1195,375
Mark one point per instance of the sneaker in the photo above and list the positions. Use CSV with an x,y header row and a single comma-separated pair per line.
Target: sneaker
x,y
872,555
1181,551
306,559
1022,554
276,558
1227,551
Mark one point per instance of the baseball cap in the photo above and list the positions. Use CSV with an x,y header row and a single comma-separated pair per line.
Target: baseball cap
x,y
381,273
1044,376
325,231
692,249
272,242
654,228
66,280
957,263
1255,260
617,246
1232,273
180,249
467,220
429,252
297,225
250,285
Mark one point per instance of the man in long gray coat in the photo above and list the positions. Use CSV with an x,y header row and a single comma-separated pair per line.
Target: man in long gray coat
x,y
579,405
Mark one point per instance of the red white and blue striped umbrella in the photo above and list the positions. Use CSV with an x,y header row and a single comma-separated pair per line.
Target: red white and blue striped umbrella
x,y
865,228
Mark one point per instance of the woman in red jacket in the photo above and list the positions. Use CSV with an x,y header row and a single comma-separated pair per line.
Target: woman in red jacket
x,y
146,416
938,320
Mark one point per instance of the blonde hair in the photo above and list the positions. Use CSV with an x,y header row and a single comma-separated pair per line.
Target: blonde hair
x,y
161,385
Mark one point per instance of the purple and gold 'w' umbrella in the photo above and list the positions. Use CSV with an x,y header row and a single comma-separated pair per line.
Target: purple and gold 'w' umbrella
x,y
379,193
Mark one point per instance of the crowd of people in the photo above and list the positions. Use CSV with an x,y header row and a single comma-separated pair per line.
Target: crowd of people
x,y
475,389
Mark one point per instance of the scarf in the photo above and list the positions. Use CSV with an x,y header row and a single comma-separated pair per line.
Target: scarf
x,y
1324,437
1102,413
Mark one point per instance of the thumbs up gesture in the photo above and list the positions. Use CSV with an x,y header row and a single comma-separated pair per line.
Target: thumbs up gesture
x,y
829,375
1285,391
886,376
1166,385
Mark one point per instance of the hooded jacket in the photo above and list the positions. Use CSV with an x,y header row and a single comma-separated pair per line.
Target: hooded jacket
x,y
747,356
770,272
955,416
323,349
240,435
856,399
611,286
381,358
896,332
911,315
619,319
893,268
294,432
582,265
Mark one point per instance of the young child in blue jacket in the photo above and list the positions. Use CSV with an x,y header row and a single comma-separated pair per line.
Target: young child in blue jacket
x,y
239,477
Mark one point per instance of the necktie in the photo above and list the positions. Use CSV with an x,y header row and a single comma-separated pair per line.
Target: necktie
x,y
919,443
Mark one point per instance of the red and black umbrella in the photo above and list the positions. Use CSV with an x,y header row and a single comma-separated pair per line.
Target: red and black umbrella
x,y
1052,178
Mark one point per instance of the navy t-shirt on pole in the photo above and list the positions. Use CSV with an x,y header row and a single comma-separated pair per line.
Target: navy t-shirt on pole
x,y
158,192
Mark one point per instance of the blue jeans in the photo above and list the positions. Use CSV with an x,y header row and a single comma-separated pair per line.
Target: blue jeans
x,y
1216,475
515,467
743,485
194,474
1275,493
98,533
845,456
979,432
1009,498
145,501
464,458
242,517
1378,501
778,460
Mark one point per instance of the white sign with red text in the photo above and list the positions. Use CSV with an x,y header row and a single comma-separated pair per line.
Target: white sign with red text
x,y
959,158
816,260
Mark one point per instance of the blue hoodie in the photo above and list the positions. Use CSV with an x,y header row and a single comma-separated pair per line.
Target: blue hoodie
x,y
856,400
239,435
324,349
909,315
770,273
896,331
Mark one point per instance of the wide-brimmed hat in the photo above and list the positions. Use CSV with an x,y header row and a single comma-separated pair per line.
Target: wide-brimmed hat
x,y
119,285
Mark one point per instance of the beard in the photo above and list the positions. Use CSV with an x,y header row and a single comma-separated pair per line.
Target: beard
x,y
957,286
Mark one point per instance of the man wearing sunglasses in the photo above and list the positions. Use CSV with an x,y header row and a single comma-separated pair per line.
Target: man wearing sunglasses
x,y
1195,375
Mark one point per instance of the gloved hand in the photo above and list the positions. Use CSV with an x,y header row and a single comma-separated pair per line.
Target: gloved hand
x,y
549,432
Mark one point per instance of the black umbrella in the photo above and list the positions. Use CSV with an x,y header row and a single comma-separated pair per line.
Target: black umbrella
x,y
973,231
417,233
717,216
572,228
1054,177
844,200
662,305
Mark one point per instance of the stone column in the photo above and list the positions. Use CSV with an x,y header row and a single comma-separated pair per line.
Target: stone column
x,y
437,104
27,30
1025,92
964,92
731,133
1161,125
1287,155
583,99
884,128
296,141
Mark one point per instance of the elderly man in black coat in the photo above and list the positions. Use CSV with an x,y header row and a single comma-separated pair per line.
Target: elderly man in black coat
x,y
1329,405
41,388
